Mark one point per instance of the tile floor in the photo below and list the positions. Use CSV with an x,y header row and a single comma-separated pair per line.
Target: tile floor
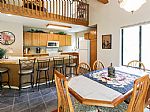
x,y
44,100
30,100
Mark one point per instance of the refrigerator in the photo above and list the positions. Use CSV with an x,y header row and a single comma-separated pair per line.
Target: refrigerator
x,y
84,51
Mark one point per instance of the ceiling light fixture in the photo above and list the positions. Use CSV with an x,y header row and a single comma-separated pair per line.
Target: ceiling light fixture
x,y
131,5
58,27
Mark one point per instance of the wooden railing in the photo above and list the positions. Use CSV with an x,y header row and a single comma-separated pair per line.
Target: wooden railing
x,y
69,11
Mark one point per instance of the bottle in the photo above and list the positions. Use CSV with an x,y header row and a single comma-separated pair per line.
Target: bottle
x,y
111,71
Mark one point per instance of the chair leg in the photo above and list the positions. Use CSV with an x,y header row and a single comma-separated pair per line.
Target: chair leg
x,y
53,75
19,82
46,77
8,80
31,80
37,75
0,81
39,80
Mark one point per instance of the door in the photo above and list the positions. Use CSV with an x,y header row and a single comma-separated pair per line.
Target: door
x,y
93,52
83,56
35,39
43,39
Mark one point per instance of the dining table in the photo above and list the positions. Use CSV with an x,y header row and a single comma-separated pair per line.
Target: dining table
x,y
99,89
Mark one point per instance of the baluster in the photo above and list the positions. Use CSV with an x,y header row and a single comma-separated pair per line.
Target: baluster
x,y
32,6
18,6
88,13
47,8
70,8
13,5
67,9
40,7
9,4
23,6
62,9
59,9
53,8
56,8
50,7
28,6
72,11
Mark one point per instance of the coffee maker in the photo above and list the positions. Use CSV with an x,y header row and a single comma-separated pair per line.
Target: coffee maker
x,y
38,50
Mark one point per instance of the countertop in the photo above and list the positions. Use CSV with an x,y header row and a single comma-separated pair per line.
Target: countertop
x,y
15,60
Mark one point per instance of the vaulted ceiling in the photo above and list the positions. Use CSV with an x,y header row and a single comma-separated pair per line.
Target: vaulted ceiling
x,y
103,1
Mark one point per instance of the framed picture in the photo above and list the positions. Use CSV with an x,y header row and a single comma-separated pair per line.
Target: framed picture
x,y
106,41
7,38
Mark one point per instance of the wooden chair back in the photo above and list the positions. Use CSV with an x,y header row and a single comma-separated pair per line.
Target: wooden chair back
x,y
140,89
98,65
136,64
64,100
83,68
43,64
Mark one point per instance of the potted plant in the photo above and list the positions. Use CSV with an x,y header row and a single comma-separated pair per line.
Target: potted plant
x,y
2,53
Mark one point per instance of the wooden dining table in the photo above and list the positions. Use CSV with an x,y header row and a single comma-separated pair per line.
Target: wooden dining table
x,y
96,88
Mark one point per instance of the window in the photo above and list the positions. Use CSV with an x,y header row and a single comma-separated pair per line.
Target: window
x,y
135,44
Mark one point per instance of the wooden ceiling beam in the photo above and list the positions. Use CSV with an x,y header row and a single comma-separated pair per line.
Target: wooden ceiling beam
x,y
103,1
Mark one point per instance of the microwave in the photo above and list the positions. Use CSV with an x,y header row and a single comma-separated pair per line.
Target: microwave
x,y
52,43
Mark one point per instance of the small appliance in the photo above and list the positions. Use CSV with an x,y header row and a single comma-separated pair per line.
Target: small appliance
x,y
52,43
38,50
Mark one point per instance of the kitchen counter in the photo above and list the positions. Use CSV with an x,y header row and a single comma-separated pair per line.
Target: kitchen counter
x,y
35,54
13,64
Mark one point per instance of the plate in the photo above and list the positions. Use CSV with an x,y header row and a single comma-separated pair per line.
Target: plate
x,y
7,38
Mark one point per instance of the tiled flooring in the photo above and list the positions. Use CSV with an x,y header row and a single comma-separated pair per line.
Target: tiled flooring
x,y
44,100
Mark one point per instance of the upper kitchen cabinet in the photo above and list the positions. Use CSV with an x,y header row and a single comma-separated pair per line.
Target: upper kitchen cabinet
x,y
90,35
35,39
43,39
68,40
50,37
40,39
62,40
55,37
27,39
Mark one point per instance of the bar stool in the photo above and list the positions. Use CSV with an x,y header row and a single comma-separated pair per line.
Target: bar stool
x,y
26,68
71,65
58,65
42,66
4,71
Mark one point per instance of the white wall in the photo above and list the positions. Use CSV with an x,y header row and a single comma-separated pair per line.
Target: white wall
x,y
109,19
17,30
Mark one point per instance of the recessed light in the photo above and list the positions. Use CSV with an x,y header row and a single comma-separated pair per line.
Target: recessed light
x,y
8,14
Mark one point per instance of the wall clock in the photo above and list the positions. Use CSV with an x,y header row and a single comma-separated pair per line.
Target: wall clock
x,y
7,38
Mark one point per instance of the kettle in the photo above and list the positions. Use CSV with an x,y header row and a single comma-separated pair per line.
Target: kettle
x,y
38,50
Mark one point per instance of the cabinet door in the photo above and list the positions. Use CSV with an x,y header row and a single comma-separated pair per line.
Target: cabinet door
x,y
68,40
50,37
35,39
62,40
86,36
27,39
55,37
43,39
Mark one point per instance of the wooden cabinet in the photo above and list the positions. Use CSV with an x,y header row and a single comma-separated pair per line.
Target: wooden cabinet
x,y
35,39
50,37
27,40
68,40
55,37
90,36
62,40
40,39
43,39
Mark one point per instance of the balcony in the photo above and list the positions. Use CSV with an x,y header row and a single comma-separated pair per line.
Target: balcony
x,y
68,11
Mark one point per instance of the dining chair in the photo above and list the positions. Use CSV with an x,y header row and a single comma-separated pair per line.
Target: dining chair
x,y
83,68
65,103
137,102
98,65
136,64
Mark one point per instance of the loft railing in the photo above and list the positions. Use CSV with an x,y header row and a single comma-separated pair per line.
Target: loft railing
x,y
69,11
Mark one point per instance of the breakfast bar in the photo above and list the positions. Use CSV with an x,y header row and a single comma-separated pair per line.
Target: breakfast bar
x,y
13,64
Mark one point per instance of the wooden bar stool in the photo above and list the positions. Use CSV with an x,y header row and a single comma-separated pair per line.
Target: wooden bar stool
x,y
42,66
72,65
26,68
58,65
4,71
